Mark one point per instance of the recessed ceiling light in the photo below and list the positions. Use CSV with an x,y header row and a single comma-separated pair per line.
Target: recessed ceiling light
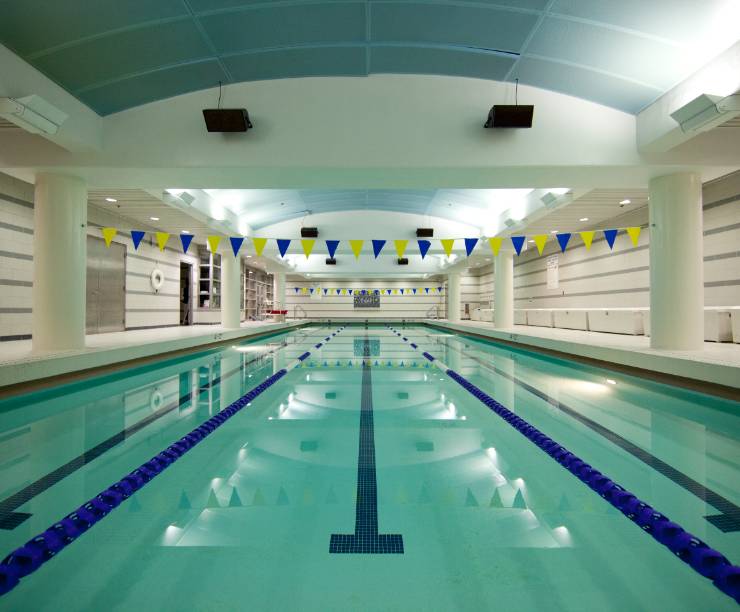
x,y
249,257
611,381
626,202
185,232
154,218
553,231
532,241
111,200
583,219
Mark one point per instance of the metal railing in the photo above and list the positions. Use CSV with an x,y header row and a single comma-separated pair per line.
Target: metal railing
x,y
433,313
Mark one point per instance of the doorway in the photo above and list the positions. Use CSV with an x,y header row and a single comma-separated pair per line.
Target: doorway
x,y
186,295
105,288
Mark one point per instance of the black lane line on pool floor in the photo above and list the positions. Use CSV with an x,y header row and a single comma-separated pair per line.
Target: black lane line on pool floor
x,y
726,522
366,539
10,520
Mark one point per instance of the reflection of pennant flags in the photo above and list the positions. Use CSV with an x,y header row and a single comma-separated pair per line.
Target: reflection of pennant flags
x,y
495,244
563,241
259,245
378,247
426,289
540,240
213,242
447,244
611,236
236,244
137,236
518,242
325,290
424,247
283,244
400,247
162,238
356,246
331,246
307,246
108,234
587,238
634,234
414,290
470,245
186,239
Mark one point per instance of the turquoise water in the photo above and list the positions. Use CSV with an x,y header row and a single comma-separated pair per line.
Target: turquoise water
x,y
487,520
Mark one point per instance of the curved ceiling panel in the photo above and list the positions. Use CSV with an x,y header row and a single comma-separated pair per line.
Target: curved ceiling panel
x,y
123,53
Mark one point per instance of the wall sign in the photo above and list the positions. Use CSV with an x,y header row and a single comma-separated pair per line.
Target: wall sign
x,y
553,273
367,301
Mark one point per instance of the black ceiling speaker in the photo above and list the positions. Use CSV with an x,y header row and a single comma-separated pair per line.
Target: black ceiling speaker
x,y
425,232
330,261
309,232
227,119
510,116
403,261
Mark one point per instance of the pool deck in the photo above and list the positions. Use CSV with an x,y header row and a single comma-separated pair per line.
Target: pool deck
x,y
19,364
716,363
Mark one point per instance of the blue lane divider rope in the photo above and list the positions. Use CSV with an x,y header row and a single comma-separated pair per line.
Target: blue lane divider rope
x,y
38,550
701,557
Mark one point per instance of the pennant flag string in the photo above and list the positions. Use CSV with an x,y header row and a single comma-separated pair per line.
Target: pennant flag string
x,y
634,234
447,244
540,240
259,245
283,245
186,239
518,242
213,242
563,240
400,247
236,244
378,247
109,233
610,236
587,238
470,245
136,237
307,245
356,246
331,246
424,247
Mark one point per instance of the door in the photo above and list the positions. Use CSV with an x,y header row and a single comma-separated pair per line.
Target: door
x,y
186,299
106,279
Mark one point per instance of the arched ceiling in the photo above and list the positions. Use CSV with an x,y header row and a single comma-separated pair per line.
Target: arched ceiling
x,y
117,54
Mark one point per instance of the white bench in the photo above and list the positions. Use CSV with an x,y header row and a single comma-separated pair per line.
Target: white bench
x,y
571,319
735,324
616,321
539,317
718,324
482,314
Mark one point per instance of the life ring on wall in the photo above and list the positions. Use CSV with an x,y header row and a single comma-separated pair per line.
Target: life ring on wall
x,y
155,400
157,279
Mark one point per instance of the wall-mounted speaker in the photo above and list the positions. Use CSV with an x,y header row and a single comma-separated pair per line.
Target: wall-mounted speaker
x,y
330,261
309,232
403,261
510,116
227,119
425,232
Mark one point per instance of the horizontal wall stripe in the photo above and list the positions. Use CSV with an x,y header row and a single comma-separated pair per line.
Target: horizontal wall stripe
x,y
725,283
722,202
587,276
15,283
722,256
152,310
160,294
159,262
582,261
725,228
158,326
13,338
15,310
16,228
10,255
142,275
588,293
9,198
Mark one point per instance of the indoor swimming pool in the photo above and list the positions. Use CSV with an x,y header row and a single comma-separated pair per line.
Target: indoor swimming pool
x,y
343,467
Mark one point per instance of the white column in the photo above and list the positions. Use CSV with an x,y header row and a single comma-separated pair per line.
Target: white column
x,y
503,290
230,289
278,289
676,262
453,296
59,262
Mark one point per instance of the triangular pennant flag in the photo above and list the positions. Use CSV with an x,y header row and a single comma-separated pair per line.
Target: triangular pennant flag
x,y
424,247
236,244
470,245
388,291
350,291
258,499
634,234
344,292
283,245
378,247
325,290
162,238
311,290
496,500
108,234
337,290
587,238
400,247
519,500
495,244
137,236
184,503
611,236
259,245
235,501
296,289
331,246
213,242
356,246
307,246
439,289
470,499
186,239
426,289
563,241
401,291
539,241
304,290
414,290
518,242
447,244
395,292
282,498
212,500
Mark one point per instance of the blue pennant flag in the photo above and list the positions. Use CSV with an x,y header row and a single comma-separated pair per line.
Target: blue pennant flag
x,y
424,247
414,290
563,241
325,290
518,242
186,239
439,289
236,244
377,247
283,245
338,290
311,290
470,245
296,289
331,246
426,289
350,291
611,236
137,236
388,291
401,291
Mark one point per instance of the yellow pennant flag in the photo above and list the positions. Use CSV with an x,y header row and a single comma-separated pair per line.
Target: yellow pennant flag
x,y
400,247
495,245
344,292
213,242
259,245
307,246
304,290
540,240
356,246
587,238
634,234
447,244
395,292
162,238
108,234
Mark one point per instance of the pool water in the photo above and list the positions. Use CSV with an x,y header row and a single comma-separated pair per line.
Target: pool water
x,y
368,479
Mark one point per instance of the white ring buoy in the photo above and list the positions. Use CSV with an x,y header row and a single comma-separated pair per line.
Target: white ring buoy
x,y
155,400
157,279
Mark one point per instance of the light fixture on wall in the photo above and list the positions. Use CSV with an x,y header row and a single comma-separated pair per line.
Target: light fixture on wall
x,y
706,112
33,114
111,200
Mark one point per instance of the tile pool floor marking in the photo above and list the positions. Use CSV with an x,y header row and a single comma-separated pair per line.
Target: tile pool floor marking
x,y
727,522
366,539
10,519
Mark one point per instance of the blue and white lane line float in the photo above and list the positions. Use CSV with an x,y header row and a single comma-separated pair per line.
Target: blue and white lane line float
x,y
702,558
38,550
